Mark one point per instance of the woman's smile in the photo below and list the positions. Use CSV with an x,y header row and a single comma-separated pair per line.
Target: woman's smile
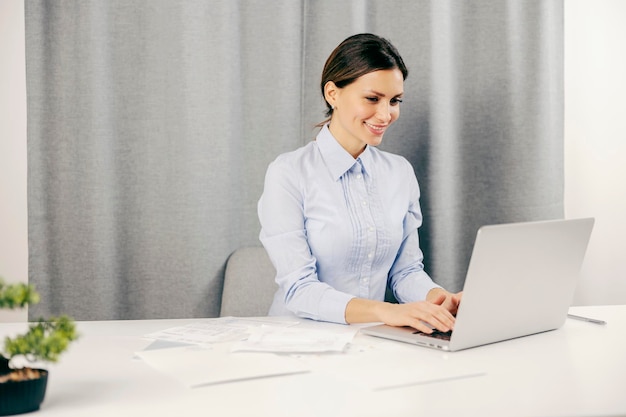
x,y
376,129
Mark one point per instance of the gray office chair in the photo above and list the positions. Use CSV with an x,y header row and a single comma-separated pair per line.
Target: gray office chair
x,y
249,284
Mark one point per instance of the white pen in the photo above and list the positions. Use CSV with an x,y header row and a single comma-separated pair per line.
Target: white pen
x,y
590,320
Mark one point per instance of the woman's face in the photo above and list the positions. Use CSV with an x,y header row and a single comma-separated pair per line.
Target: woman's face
x,y
365,108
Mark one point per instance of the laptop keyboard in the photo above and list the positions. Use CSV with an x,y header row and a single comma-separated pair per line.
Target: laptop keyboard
x,y
437,334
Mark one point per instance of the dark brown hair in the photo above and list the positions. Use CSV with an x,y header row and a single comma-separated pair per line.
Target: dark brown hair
x,y
356,56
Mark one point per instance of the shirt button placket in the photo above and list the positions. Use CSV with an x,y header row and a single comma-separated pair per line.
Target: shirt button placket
x,y
369,239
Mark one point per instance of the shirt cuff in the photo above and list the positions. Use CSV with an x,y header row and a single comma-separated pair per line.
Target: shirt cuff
x,y
333,306
414,288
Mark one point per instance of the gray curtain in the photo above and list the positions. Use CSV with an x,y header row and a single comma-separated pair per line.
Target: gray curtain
x,y
151,124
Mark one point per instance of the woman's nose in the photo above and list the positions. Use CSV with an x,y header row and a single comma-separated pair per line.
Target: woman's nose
x,y
384,112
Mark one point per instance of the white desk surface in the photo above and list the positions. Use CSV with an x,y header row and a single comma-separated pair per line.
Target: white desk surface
x,y
577,370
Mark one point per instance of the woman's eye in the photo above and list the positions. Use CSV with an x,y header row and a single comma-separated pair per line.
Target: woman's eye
x,y
372,99
396,101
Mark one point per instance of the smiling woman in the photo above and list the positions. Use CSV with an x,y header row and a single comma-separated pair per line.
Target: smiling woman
x,y
364,109
340,218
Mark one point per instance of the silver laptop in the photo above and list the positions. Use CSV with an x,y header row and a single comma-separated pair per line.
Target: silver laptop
x,y
520,281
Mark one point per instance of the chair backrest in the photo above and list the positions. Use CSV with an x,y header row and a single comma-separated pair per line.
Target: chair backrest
x,y
249,284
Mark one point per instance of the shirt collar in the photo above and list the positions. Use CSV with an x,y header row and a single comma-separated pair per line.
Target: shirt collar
x,y
337,159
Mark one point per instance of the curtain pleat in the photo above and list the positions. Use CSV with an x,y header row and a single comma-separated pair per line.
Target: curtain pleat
x,y
151,124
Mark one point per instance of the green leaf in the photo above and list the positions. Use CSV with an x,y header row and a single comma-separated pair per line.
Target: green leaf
x,y
17,295
45,340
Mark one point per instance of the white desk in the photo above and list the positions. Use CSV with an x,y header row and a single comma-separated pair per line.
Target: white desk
x,y
578,370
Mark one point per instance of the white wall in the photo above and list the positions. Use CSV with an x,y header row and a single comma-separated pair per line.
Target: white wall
x,y
13,220
595,142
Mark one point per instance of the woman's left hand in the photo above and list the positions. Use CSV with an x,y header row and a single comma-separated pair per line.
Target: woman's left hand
x,y
445,299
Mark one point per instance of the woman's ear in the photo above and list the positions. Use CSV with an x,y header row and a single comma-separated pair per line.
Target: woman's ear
x,y
330,93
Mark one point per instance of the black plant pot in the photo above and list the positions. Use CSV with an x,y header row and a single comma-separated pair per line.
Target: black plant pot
x,y
18,397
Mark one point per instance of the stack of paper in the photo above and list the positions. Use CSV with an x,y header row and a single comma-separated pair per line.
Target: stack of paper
x,y
211,357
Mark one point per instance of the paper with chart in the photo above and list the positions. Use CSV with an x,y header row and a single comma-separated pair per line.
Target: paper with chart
x,y
295,340
224,329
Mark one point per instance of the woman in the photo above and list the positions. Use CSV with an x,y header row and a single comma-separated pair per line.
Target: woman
x,y
339,218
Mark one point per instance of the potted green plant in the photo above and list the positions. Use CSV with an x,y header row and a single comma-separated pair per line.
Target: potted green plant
x,y
22,389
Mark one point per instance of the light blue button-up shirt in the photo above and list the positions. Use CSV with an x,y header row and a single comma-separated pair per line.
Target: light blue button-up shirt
x,y
337,228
